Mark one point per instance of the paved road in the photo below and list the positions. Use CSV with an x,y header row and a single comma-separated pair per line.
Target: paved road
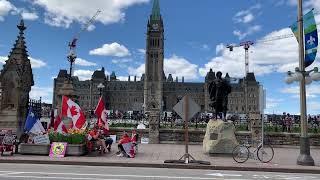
x,y
61,172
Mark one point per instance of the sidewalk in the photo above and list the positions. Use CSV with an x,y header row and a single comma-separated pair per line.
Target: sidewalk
x,y
153,155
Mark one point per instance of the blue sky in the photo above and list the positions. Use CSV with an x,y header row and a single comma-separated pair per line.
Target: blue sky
x,y
196,34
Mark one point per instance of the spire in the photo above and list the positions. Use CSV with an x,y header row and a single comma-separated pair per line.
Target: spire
x,y
19,51
21,26
18,59
155,10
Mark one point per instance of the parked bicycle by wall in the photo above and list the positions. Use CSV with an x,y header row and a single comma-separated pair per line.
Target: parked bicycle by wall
x,y
262,152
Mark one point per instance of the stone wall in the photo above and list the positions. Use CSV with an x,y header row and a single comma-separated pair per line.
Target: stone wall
x,y
176,136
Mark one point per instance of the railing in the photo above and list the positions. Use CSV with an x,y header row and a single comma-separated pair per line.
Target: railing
x,y
36,107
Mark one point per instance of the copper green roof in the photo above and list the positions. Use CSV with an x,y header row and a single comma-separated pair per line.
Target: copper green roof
x,y
113,74
155,10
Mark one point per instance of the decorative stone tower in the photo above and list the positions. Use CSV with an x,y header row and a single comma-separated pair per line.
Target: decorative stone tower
x,y
255,126
16,80
154,74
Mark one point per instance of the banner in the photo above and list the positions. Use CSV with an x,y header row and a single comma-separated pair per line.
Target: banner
x,y
310,37
58,149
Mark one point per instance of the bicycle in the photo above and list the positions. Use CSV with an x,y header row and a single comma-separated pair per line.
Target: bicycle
x,y
242,153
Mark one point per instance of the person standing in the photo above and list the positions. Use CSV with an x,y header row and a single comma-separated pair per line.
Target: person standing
x,y
288,122
283,121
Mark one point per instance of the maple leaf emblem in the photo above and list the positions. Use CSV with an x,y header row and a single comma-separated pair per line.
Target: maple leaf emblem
x,y
73,111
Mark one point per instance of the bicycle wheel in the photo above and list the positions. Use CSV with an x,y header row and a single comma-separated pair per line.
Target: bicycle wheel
x,y
265,154
240,154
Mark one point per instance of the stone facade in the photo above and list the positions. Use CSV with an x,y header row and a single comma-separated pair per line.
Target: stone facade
x,y
16,81
154,89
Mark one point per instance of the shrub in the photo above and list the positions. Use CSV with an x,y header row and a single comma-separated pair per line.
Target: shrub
x,y
73,136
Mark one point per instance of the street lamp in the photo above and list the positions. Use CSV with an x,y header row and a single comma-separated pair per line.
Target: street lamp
x,y
71,58
304,77
101,87
308,76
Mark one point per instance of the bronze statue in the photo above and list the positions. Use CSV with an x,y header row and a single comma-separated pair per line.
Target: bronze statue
x,y
219,89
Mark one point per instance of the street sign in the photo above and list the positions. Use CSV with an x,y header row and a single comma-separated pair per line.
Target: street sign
x,y
186,108
193,108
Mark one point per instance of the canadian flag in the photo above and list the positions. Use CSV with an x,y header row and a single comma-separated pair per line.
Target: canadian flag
x,y
72,110
59,125
101,113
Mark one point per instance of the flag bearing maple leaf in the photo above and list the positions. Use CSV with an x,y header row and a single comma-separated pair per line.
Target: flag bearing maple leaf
x,y
74,111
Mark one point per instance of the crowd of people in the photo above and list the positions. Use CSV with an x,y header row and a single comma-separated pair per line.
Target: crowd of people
x,y
126,146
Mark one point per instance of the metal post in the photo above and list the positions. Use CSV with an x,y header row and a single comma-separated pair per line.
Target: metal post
x,y
186,134
71,62
246,48
246,101
304,157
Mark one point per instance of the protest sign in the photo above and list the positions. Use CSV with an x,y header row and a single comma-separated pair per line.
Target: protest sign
x,y
58,149
41,139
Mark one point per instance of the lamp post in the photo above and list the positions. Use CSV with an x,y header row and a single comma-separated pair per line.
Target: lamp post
x,y
71,58
304,77
101,87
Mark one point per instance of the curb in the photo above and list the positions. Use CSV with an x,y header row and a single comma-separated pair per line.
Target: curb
x,y
174,166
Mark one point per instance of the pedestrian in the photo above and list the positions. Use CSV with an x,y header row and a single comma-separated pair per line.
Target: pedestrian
x,y
288,121
283,124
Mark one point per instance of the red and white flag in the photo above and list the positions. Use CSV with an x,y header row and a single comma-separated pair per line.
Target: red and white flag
x,y
59,125
101,113
72,110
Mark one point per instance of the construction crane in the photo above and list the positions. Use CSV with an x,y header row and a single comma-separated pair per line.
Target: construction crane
x,y
247,44
73,43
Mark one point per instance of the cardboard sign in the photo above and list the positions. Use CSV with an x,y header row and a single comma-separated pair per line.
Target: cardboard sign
x,y
58,149
41,139
114,138
144,140
9,139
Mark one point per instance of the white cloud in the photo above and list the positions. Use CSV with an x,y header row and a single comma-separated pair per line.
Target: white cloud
x,y
219,48
114,49
312,91
3,59
5,8
137,71
35,63
121,61
142,51
63,13
29,15
246,16
273,103
279,55
250,30
175,65
44,92
83,62
83,74
314,106
181,67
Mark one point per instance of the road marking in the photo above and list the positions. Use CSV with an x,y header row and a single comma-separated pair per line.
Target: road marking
x,y
102,175
52,177
223,175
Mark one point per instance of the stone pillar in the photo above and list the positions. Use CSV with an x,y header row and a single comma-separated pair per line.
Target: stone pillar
x,y
66,90
154,120
256,127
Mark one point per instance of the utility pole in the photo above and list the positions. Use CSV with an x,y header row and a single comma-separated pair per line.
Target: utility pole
x,y
304,158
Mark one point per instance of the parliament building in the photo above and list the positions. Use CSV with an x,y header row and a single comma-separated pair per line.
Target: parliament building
x,y
155,89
